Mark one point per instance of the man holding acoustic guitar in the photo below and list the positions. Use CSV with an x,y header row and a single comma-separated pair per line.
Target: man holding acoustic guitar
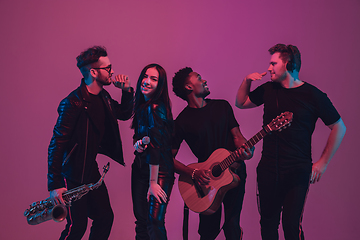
x,y
210,129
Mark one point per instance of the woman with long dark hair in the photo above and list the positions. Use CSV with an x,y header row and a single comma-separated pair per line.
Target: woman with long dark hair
x,y
153,168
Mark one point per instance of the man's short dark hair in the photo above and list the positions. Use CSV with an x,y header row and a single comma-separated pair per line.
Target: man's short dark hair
x,y
89,56
288,53
179,81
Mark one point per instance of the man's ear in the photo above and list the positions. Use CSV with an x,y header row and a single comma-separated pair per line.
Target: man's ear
x,y
93,73
188,87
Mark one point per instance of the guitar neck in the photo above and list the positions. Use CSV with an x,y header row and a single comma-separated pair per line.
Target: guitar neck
x,y
234,156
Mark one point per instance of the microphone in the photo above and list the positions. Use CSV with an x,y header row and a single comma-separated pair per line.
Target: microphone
x,y
145,141
118,84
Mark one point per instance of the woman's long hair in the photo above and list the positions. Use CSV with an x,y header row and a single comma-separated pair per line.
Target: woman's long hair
x,y
161,93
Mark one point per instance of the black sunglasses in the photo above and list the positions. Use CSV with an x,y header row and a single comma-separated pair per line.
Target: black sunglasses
x,y
108,68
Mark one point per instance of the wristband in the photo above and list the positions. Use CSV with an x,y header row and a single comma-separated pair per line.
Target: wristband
x,y
193,173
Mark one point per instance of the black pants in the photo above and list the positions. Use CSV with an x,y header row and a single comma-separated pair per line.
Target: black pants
x,y
96,206
209,225
150,216
284,193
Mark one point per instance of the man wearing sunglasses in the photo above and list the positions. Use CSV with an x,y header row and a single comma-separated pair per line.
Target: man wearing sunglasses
x,y
87,125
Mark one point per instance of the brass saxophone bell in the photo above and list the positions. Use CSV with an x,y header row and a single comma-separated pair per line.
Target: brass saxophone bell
x,y
57,213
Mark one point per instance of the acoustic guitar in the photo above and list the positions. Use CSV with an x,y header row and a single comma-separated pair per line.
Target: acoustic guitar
x,y
206,199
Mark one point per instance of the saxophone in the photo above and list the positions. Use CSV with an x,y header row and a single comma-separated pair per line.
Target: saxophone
x,y
44,210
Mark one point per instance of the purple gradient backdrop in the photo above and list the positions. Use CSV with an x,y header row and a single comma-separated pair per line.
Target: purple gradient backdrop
x,y
223,41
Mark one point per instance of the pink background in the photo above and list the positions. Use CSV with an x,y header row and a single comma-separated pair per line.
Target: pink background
x,y
222,40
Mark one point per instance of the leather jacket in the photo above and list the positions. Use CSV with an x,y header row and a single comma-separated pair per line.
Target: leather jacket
x,y
153,122
76,140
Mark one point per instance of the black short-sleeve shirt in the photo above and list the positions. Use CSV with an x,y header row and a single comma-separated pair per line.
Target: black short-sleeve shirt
x,y
292,147
206,129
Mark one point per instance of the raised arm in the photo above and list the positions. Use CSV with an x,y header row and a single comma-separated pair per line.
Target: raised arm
x,y
337,133
124,110
242,97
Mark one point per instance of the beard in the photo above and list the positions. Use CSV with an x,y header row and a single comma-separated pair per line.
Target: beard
x,y
204,94
107,83
104,81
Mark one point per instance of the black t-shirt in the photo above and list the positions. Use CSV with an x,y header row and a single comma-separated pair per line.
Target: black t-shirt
x,y
292,146
99,118
206,129
98,121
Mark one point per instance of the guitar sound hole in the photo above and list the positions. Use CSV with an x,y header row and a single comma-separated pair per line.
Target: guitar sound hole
x,y
216,171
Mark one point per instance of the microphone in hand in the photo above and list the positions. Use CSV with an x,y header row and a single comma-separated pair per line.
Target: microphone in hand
x,y
141,145
145,141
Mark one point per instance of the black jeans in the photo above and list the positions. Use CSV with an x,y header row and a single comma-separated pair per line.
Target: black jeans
x,y
95,205
150,216
209,225
286,193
